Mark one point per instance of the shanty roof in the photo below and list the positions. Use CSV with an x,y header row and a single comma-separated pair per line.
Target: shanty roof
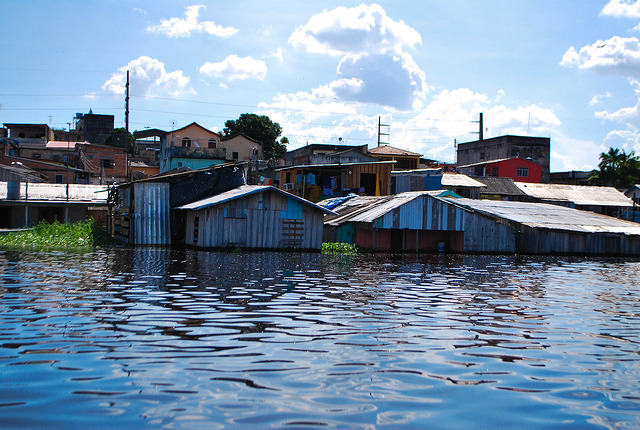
x,y
543,215
369,208
500,186
71,193
390,150
580,195
459,180
63,144
243,191
332,165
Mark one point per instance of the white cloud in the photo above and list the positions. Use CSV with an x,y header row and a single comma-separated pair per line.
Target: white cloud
x,y
279,55
374,68
597,99
182,27
618,55
622,8
235,68
148,76
359,30
629,117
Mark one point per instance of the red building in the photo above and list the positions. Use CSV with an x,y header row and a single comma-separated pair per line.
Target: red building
x,y
518,169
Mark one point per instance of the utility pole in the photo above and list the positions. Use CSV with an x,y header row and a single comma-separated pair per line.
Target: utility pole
x,y
380,125
126,105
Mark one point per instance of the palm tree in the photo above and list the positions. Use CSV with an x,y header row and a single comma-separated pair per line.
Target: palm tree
x,y
616,169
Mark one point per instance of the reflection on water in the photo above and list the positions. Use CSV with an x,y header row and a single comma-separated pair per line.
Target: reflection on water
x,y
152,338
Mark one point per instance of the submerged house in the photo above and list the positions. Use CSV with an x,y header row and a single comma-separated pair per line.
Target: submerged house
x,y
254,216
24,204
409,221
143,209
429,221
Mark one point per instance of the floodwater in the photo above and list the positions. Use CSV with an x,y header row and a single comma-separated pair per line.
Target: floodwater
x,y
152,338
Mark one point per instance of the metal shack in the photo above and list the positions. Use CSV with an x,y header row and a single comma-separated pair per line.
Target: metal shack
x,y
24,204
539,228
143,212
429,221
413,221
254,216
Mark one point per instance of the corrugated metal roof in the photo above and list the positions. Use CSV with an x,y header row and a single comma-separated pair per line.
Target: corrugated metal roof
x,y
243,191
458,180
577,194
542,215
500,186
368,208
57,192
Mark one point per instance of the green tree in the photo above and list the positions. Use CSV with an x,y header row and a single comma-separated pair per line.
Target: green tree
x,y
260,128
118,137
616,169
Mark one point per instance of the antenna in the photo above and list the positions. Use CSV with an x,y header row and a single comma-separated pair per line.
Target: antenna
x,y
481,128
380,125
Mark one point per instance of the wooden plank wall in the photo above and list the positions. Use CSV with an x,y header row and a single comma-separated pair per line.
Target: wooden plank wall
x,y
264,226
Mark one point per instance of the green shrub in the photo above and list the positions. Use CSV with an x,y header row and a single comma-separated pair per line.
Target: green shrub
x,y
81,234
339,248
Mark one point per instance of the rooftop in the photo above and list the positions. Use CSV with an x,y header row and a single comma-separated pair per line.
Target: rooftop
x,y
392,151
580,195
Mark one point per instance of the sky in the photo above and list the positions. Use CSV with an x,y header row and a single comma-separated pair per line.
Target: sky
x,y
332,71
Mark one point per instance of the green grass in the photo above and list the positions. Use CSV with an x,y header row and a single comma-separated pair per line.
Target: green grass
x,y
83,234
339,248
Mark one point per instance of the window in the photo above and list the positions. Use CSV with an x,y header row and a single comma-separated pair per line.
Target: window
x,y
523,172
482,155
107,163
196,228
59,179
234,155
186,142
212,143
494,171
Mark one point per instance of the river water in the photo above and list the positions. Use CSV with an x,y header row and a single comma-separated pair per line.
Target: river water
x,y
153,338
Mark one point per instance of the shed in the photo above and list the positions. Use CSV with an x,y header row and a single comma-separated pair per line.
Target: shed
x,y
142,213
24,204
254,216
539,228
409,221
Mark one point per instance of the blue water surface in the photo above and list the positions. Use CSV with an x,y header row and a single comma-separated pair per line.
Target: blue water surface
x,y
158,338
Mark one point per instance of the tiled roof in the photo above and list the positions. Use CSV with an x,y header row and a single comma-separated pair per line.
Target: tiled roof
x,y
390,150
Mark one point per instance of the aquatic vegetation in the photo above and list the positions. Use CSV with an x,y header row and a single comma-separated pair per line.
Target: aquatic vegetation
x,y
339,248
58,235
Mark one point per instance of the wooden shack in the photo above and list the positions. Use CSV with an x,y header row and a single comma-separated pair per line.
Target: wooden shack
x,y
254,216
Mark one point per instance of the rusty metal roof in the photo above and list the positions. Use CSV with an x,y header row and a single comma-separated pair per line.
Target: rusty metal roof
x,y
580,195
500,186
543,215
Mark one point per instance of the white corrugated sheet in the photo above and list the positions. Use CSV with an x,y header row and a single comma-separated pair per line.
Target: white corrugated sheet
x,y
458,180
580,195
31,191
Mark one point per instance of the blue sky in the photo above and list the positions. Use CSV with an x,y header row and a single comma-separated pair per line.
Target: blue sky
x,y
325,70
